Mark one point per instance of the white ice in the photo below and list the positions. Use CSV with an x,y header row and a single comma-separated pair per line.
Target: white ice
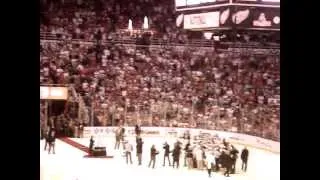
x,y
68,164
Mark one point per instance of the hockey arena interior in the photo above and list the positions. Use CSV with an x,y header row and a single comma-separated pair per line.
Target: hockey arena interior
x,y
166,89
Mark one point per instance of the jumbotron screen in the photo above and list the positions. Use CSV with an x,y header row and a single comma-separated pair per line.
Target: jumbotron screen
x,y
243,14
183,4
266,2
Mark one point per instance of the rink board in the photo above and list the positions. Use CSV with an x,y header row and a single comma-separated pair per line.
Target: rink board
x,y
242,139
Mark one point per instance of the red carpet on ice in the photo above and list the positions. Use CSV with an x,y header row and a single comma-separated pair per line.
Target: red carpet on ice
x,y
82,148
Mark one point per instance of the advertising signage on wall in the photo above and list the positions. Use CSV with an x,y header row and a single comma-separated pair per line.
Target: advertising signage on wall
x,y
201,20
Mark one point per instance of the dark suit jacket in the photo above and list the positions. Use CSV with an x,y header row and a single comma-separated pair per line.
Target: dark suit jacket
x,y
244,155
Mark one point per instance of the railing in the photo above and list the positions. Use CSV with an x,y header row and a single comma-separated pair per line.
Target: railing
x,y
157,41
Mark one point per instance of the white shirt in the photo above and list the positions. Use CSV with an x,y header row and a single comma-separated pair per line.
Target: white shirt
x,y
128,147
199,155
210,161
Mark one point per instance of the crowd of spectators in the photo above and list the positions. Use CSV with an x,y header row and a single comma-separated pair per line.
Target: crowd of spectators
x,y
170,86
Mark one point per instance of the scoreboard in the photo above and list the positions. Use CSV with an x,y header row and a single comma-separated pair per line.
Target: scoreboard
x,y
227,14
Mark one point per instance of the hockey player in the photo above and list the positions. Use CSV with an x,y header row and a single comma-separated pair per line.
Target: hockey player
x,y
153,153
128,149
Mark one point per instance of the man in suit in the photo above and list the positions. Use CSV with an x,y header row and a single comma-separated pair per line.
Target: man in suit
x,y
176,155
166,148
244,158
234,155
139,149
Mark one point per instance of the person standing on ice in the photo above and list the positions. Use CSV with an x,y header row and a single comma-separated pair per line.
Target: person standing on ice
x,y
122,135
118,138
234,156
46,138
210,162
91,144
166,148
226,161
176,155
153,154
128,149
189,157
185,152
52,139
199,158
244,158
139,149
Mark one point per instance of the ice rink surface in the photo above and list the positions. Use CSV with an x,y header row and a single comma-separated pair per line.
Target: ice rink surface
x,y
69,164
